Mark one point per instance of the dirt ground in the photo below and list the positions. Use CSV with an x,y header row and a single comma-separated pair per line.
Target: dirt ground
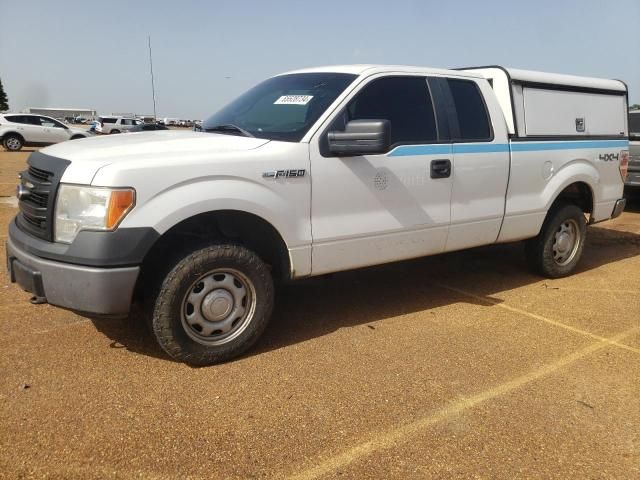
x,y
461,365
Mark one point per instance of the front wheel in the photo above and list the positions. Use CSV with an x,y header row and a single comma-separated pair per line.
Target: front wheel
x,y
213,305
557,249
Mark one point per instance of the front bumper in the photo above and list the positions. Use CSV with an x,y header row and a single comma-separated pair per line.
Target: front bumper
x,y
102,291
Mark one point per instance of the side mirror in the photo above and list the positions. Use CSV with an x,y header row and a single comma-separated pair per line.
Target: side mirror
x,y
361,137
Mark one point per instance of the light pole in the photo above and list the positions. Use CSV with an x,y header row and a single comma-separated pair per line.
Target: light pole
x,y
153,88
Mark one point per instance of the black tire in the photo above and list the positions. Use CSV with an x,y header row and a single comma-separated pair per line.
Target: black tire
x,y
77,137
113,132
546,253
218,274
12,142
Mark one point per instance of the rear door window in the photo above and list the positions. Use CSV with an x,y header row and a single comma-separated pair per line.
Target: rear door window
x,y
634,123
473,119
108,120
33,120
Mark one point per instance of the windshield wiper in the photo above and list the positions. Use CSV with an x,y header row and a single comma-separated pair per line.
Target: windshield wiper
x,y
229,128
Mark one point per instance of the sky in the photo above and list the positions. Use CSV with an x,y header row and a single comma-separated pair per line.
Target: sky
x,y
92,54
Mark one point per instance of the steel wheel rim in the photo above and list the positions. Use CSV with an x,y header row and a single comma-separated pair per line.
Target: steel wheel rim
x,y
566,242
218,307
13,143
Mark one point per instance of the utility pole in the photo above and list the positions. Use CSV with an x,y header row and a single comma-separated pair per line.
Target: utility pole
x,y
153,88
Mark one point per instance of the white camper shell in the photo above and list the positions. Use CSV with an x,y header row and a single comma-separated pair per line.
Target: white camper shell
x,y
540,105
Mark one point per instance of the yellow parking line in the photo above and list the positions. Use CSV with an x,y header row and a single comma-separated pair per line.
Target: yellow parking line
x,y
596,290
15,305
555,323
395,436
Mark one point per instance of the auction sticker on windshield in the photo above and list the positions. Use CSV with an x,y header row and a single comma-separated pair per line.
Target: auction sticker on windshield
x,y
293,100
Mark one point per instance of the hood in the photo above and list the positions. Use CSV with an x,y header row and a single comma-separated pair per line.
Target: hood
x,y
90,154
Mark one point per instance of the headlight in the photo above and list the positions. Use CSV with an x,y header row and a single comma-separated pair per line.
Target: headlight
x,y
90,208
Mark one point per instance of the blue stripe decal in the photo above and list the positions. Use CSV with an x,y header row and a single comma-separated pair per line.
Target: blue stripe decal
x,y
569,145
480,147
461,148
405,150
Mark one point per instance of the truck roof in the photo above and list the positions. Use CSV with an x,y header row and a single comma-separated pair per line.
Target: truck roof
x,y
514,73
373,69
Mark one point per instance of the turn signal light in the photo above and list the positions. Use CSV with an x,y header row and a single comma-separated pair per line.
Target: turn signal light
x,y
120,203
624,164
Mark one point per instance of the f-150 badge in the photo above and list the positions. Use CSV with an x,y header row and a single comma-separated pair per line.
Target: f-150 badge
x,y
284,173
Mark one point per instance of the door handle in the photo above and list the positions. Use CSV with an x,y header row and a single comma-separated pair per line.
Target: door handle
x,y
440,168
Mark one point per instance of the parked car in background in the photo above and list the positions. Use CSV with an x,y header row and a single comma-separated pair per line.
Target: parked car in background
x,y
146,118
633,177
109,125
24,129
146,127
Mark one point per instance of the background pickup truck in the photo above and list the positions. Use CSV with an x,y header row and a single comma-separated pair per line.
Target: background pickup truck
x,y
633,178
311,172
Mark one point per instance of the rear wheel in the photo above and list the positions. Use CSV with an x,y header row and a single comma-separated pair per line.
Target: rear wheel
x,y
557,249
213,305
12,142
114,131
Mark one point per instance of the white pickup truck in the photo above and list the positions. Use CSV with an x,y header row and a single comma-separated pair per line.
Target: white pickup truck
x,y
311,172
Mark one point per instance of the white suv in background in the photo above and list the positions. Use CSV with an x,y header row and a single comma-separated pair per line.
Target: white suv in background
x,y
24,129
116,124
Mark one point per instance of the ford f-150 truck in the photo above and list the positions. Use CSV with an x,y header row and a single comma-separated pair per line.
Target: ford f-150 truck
x,y
311,172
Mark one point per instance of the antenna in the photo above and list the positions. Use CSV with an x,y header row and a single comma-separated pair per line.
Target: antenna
x,y
153,88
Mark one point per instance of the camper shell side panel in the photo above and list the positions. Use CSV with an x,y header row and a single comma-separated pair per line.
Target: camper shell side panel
x,y
539,105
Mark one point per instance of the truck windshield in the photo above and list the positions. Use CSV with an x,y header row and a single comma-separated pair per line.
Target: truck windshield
x,y
280,108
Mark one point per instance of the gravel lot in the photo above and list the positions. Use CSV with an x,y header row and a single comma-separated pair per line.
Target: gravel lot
x,y
462,365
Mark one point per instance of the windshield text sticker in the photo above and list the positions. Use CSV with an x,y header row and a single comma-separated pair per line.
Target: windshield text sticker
x,y
293,100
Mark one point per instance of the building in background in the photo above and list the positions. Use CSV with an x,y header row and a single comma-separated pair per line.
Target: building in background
x,y
69,114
